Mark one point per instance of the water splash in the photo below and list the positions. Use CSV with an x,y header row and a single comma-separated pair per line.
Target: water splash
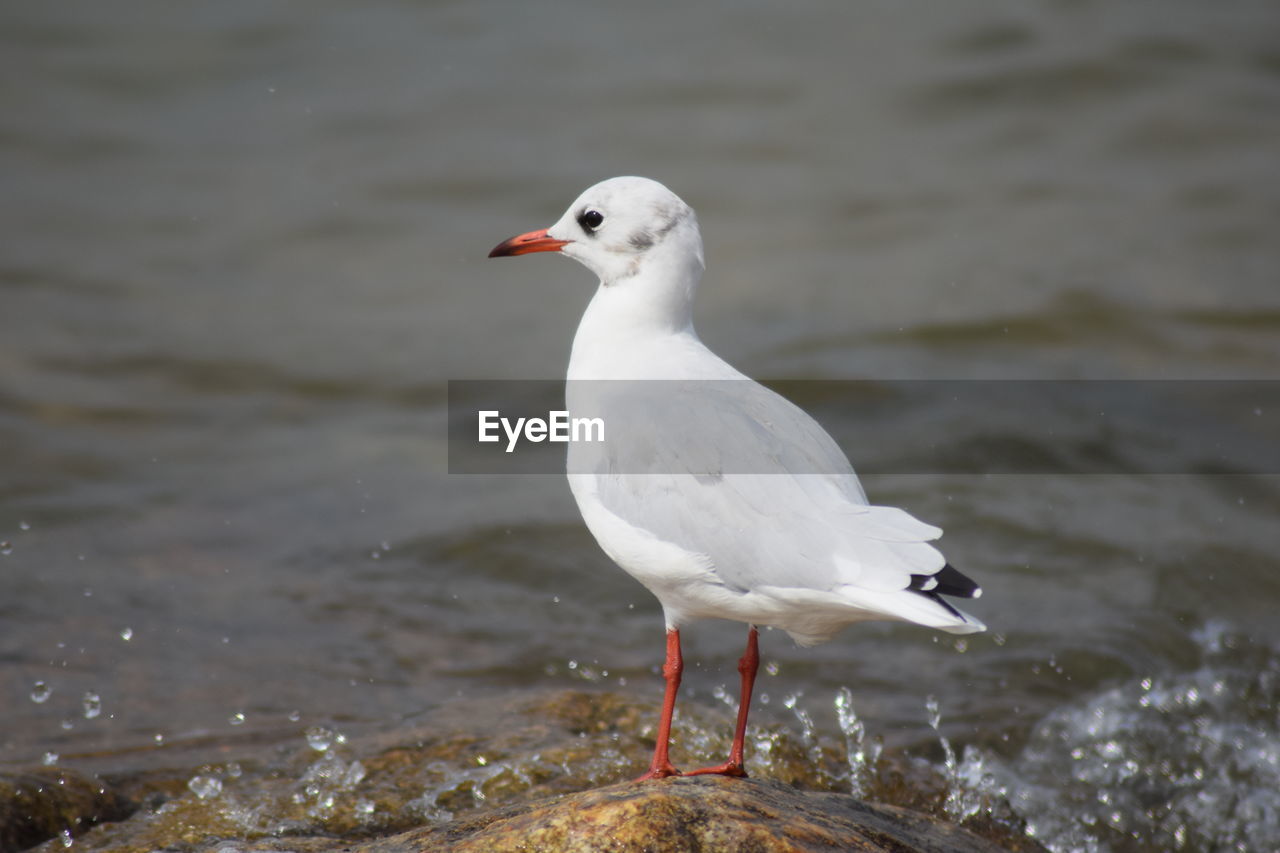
x,y
862,757
1175,761
319,738
325,781
205,786
964,799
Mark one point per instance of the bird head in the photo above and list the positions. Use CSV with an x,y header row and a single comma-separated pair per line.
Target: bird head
x,y
619,228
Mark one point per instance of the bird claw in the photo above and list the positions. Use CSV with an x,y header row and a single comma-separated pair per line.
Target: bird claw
x,y
659,771
729,768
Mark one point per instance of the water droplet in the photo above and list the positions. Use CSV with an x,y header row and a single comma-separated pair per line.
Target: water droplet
x,y
24,526
205,787
49,759
40,692
294,716
92,704
771,667
65,837
935,713
481,760
861,761
236,719
6,547
355,773
68,724
319,738
159,738
126,633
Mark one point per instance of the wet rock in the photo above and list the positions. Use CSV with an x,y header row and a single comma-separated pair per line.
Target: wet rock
x,y
693,813
45,802
478,773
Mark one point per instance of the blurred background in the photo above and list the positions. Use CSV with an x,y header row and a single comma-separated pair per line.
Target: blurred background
x,y
244,250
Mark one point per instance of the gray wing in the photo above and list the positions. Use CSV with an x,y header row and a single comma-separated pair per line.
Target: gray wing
x,y
734,471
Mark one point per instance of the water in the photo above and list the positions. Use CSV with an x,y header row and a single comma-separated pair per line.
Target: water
x,y
1180,761
244,251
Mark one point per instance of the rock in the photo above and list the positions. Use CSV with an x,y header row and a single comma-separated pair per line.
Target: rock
x,y
536,772
41,803
691,813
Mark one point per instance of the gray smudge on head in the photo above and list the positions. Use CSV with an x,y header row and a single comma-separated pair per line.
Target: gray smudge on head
x,y
641,240
666,216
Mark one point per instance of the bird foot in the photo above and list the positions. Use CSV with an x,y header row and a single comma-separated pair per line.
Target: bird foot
x,y
658,771
729,768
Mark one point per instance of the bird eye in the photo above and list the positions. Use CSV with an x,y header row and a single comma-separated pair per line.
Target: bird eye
x,y
590,220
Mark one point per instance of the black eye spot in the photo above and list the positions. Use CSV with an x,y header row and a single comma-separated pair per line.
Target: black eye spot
x,y
590,220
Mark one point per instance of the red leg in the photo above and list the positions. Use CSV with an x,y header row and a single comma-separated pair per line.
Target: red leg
x,y
748,665
661,767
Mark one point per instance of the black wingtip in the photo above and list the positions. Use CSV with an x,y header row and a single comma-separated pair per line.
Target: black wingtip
x,y
955,583
946,581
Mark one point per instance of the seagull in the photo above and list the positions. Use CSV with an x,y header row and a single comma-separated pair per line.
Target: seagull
x,y
744,507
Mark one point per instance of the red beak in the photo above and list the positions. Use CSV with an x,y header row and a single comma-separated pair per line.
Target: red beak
x,y
524,244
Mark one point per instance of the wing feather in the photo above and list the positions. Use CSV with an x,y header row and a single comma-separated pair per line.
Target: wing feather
x,y
704,465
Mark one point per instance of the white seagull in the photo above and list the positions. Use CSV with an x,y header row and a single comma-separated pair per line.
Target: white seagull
x,y
747,510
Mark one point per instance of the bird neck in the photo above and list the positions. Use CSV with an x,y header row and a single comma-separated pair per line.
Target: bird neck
x,y
632,320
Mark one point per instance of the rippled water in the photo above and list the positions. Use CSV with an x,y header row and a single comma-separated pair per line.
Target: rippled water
x,y
244,252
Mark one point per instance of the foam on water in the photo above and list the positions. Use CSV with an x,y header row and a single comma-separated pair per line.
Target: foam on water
x,y
1183,761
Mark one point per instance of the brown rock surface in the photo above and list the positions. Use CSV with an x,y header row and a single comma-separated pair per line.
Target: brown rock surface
x,y
536,773
704,813
40,803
